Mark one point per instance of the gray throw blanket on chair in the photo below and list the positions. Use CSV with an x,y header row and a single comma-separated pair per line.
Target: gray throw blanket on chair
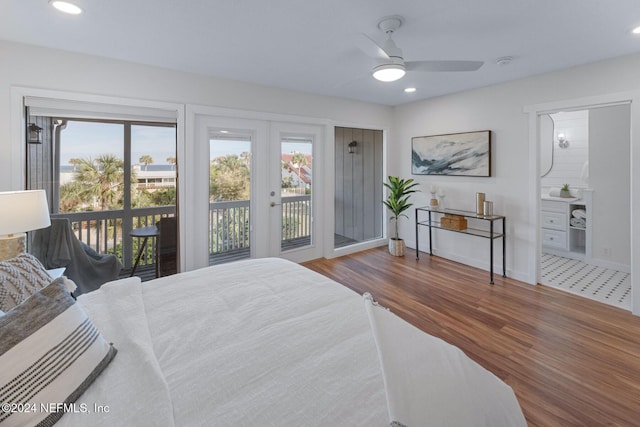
x,y
57,246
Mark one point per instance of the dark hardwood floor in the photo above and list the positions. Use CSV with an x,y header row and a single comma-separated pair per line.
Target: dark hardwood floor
x,y
571,361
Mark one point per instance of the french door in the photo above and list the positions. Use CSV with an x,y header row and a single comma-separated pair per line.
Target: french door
x,y
295,171
258,194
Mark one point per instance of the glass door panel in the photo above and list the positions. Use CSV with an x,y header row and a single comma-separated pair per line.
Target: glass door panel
x,y
154,196
296,157
229,196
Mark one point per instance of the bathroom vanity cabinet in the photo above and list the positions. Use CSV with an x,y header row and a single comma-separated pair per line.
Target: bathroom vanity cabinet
x,y
560,235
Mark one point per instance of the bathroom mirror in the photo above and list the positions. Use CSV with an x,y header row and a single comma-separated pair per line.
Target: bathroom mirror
x,y
546,144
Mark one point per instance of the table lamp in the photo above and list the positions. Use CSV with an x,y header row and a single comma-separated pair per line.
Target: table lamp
x,y
20,211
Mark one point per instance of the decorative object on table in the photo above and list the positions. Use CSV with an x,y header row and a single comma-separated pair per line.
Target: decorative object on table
x,y
488,208
480,203
441,198
453,222
564,191
433,202
398,202
20,211
466,154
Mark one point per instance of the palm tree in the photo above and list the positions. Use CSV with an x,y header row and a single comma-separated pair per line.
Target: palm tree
x,y
75,162
72,197
172,161
102,179
146,160
245,156
298,161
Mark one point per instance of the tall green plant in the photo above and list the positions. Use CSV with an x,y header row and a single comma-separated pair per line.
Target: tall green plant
x,y
398,199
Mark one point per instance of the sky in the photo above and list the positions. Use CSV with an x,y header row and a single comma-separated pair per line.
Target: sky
x,y
89,139
221,148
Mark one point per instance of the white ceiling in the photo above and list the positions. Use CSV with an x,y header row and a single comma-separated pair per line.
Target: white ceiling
x,y
308,45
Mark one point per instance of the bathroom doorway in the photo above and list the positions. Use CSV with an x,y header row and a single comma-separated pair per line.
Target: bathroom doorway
x,y
584,228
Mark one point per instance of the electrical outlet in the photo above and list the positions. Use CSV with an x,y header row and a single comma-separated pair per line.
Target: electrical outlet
x,y
606,251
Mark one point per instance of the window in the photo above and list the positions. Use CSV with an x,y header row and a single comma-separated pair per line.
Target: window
x,y
107,176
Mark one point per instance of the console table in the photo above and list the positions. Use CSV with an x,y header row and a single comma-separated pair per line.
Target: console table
x,y
491,234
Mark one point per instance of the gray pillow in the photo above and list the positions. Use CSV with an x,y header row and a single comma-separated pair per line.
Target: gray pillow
x,y
21,277
50,352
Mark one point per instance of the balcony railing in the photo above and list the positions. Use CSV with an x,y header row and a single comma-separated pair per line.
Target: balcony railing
x,y
108,231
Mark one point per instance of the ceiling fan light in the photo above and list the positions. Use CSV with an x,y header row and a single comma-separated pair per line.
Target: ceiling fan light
x,y
67,6
389,72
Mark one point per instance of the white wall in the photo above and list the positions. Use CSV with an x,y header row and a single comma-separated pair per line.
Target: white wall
x,y
609,178
28,66
25,66
500,109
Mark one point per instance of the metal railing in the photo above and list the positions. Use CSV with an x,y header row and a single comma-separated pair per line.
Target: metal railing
x,y
108,231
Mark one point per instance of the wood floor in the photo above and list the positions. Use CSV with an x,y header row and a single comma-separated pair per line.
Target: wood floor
x,y
571,361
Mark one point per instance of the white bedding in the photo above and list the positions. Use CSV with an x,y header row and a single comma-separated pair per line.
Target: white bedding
x,y
255,343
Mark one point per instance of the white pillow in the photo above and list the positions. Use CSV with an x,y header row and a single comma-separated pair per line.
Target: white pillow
x,y
50,353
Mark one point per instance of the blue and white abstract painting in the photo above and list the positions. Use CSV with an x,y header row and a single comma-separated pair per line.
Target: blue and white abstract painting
x,y
467,154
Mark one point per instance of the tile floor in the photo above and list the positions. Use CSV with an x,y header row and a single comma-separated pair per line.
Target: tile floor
x,y
601,284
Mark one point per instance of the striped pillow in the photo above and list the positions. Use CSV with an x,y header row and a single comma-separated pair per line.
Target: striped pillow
x,y
50,352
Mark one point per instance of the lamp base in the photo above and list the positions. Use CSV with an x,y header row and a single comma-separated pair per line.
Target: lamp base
x,y
12,246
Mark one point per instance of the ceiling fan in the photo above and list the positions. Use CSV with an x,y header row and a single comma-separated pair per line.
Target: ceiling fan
x,y
392,65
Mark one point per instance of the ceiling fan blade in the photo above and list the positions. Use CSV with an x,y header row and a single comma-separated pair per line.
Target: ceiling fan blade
x,y
370,47
443,65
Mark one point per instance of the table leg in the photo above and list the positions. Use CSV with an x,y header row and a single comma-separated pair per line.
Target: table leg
x,y
504,250
417,245
491,251
135,265
430,239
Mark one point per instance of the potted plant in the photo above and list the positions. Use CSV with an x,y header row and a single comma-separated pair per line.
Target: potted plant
x,y
564,191
398,202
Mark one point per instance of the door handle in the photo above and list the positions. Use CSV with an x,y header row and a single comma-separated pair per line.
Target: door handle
x,y
274,204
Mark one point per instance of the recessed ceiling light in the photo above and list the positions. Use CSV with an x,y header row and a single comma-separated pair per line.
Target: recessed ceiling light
x,y
67,6
636,30
224,131
410,89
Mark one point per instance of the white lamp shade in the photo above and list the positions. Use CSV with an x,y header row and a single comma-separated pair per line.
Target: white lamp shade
x,y
22,211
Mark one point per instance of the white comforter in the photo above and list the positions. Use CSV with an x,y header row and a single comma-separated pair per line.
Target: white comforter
x,y
261,343
255,343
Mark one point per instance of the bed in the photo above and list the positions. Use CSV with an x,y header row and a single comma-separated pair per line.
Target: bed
x,y
267,342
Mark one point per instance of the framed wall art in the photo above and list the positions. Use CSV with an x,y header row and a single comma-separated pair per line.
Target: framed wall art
x,y
463,154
